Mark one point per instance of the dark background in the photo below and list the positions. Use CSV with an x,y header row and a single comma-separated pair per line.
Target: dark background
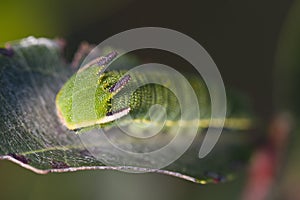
x,y
240,35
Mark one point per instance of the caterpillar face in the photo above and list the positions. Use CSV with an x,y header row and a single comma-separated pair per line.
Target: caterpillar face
x,y
85,99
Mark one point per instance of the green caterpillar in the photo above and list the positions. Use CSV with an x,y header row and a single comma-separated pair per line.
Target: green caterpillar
x,y
93,97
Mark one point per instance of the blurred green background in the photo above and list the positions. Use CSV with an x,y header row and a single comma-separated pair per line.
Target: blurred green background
x,y
242,37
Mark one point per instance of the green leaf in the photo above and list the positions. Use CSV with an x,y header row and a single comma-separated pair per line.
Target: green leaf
x,y
32,136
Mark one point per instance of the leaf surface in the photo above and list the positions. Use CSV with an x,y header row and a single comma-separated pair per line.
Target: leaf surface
x,y
32,136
